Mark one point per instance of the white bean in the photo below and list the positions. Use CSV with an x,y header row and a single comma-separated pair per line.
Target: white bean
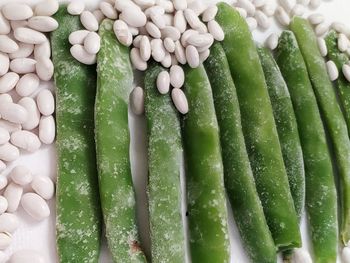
x,y
210,13
202,28
77,37
4,135
8,81
46,8
332,70
343,42
263,21
21,175
17,11
180,100
153,30
192,56
43,23
180,21
13,194
3,182
22,65
3,205
80,54
43,186
122,32
252,23
35,206
180,53
5,240
158,51
10,126
345,255
108,10
47,129
341,28
315,3
27,84
5,27
92,43
33,113
133,30
167,5
25,140
259,3
29,36
204,55
133,17
145,48
268,9
192,19
26,256
346,71
158,20
7,45
282,16
169,19
136,59
76,7
169,45
216,31
42,50
177,76
89,21
321,29
197,6
13,112
2,166
98,15
5,97
171,32
287,4
24,50
137,101
163,82
301,255
166,62
272,41
45,102
316,19
186,35
304,2
242,12
247,5
180,4
4,63
121,5
137,40
297,10
200,40
145,3
18,23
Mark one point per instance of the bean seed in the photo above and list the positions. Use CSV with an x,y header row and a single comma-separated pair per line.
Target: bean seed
x,y
191,18
145,48
122,32
108,10
247,5
137,101
7,45
304,2
42,50
169,19
204,55
321,29
43,23
92,43
8,81
158,51
77,37
17,11
180,21
145,3
153,30
315,3
47,129
180,4
200,40
24,50
346,72
46,8
345,255
180,100
136,59
186,35
287,4
177,76
341,28
343,42
297,10
2,166
252,23
29,36
4,63
268,9
263,21
197,6
121,5
154,10
180,53
5,27
216,31
282,16
202,28
158,20
133,17
166,62
33,116
98,15
23,65
259,3
163,82
43,186
169,45
76,7
332,70
3,205
3,182
272,41
18,23
80,54
4,136
5,240
210,13
316,19
27,84
242,12
26,256
25,140
171,32
13,194
35,206
167,5
21,175
192,56
45,102
13,112
89,21
137,41
9,126
301,255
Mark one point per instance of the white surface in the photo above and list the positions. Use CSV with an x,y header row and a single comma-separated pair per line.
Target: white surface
x,y
41,236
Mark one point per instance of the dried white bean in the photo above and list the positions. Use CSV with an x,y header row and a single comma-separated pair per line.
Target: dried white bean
x,y
121,5
42,50
10,126
17,11
304,2
345,255
341,28
98,15
145,3
145,48
259,3
4,63
158,51
166,62
216,31
169,45
200,40
25,140
35,206
343,42
180,21
21,175
180,4
263,21
137,41
18,23
301,255
252,23
202,28
169,19
89,21
332,70
24,50
197,6
13,194
43,186
92,43
8,81
137,101
180,53
180,100
177,76
297,10
26,256
108,10
3,205
204,55
154,10
29,36
192,56
171,32
122,32
5,240
153,30
4,98
45,102
33,113
268,9
7,45
282,16
23,65
210,13
158,20
346,71
43,23
167,5
186,35
3,182
47,129
316,19
315,3
5,27
136,59
77,37
2,166
321,29
46,8
80,54
76,7
272,41
27,84
4,135
192,19
247,5
287,4
163,82
242,12
133,17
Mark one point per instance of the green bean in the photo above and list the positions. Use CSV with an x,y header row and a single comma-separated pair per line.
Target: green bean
x,y
259,129
78,210
331,112
320,187
239,180
207,213
114,82
164,162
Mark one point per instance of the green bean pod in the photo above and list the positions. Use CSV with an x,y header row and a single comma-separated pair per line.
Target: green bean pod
x,y
238,176
259,129
332,115
164,163
207,211
114,82
79,222
321,203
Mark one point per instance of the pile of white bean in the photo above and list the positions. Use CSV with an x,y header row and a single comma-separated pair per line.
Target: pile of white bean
x,y
21,188
24,62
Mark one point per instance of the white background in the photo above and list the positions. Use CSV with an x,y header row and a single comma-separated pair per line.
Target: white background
x,y
41,236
